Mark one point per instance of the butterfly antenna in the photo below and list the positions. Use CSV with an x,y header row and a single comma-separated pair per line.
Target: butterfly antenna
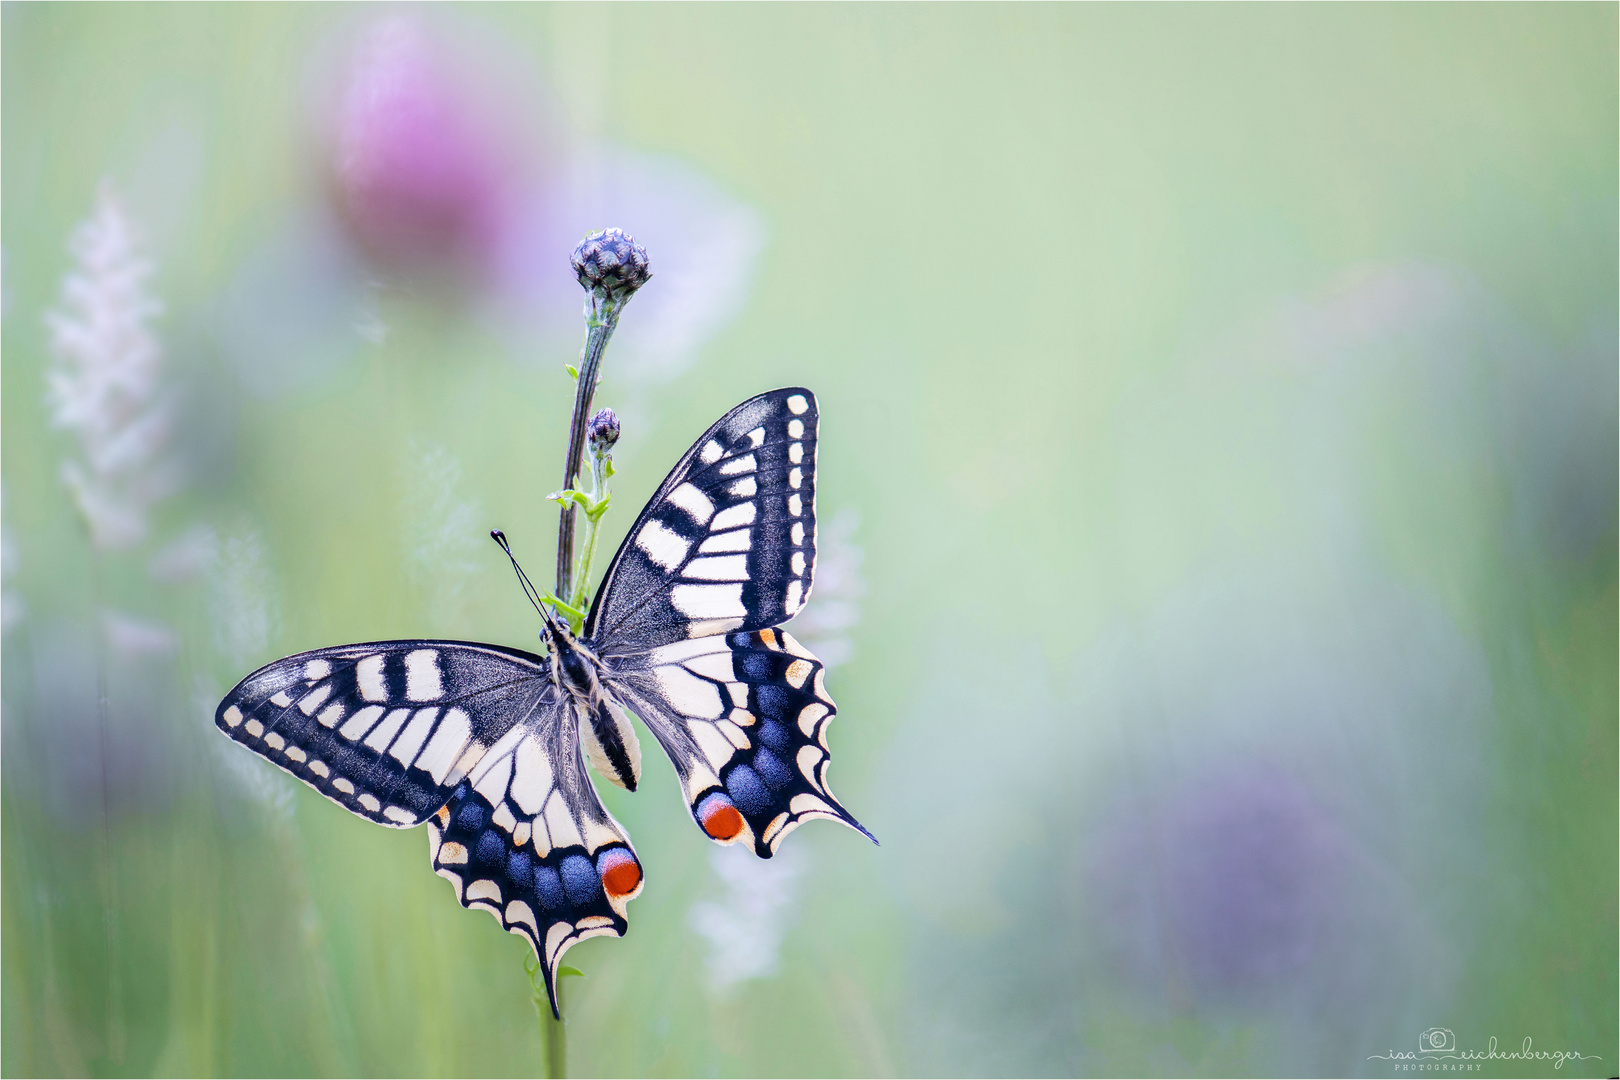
x,y
523,579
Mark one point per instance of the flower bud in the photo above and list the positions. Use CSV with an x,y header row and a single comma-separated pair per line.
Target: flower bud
x,y
610,264
603,431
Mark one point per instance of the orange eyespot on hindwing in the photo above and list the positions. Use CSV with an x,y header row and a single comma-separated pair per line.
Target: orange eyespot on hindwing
x,y
719,817
621,874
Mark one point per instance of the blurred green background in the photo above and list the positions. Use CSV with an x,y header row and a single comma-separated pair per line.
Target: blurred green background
x,y
1218,485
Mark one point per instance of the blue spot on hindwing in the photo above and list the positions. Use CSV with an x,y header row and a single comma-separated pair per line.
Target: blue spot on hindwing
x,y
488,855
775,736
549,887
579,880
747,790
773,701
769,766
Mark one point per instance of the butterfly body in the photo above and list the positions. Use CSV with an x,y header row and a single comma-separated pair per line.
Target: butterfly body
x,y
487,745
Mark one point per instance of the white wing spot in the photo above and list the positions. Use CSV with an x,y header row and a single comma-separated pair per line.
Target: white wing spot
x,y
254,728
795,504
739,695
360,723
368,673
709,601
796,453
295,754
715,665
343,785
745,488
280,699
384,732
447,742
519,912
735,540
492,785
795,591
694,502
797,672
733,516
689,694
331,714
274,741
452,853
711,452
423,680
734,733
796,429
503,816
560,824
531,778
717,568
797,562
233,716
810,716
795,478
484,889
319,768
405,747
316,670
739,466
715,746
663,545
312,700
756,438
798,404
404,817
797,533
369,801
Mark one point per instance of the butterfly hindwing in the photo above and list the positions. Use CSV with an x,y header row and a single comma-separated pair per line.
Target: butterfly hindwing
x,y
744,718
728,542
525,837
387,729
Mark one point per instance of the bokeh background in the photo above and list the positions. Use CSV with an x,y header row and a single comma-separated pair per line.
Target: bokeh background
x,y
1218,484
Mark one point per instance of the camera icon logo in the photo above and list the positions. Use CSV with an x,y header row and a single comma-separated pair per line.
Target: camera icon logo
x,y
1436,1040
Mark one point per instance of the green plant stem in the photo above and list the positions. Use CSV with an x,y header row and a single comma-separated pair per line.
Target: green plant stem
x,y
601,318
601,469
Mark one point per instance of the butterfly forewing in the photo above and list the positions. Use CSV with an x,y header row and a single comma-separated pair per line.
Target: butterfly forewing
x,y
728,543
386,729
525,837
743,716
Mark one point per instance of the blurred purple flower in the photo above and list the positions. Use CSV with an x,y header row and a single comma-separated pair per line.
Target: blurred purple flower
x,y
1230,881
423,170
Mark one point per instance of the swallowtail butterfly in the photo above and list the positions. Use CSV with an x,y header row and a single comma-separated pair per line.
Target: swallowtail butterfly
x,y
487,745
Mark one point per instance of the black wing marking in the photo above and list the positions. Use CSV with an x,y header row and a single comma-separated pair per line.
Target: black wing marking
x,y
728,542
744,718
386,729
525,838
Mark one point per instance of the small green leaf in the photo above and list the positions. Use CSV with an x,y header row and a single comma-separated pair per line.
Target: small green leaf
x,y
567,970
573,372
608,469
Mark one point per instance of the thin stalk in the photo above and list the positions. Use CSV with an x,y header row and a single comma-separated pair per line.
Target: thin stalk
x,y
601,469
115,1011
601,319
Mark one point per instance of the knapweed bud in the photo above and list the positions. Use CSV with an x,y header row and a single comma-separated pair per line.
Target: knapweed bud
x,y
610,264
603,431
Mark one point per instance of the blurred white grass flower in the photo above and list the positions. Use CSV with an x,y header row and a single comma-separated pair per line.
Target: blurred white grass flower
x,y
824,625
12,608
135,638
185,558
243,602
442,534
745,927
105,383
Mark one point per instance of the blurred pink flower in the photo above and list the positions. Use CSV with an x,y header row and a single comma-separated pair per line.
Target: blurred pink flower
x,y
423,172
